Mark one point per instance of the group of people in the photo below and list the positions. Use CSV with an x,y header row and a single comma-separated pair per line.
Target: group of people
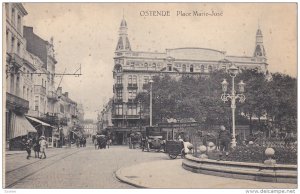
x,y
39,146
81,142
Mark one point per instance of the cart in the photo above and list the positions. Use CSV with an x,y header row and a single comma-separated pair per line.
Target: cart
x,y
175,148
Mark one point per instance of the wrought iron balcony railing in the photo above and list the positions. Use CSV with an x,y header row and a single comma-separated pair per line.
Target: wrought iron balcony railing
x,y
16,103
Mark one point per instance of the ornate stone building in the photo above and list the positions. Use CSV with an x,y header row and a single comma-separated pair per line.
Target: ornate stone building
x,y
133,69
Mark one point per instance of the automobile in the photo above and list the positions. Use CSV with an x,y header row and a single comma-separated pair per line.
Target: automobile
x,y
154,139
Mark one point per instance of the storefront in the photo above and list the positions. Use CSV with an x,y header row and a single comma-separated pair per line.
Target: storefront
x,y
20,129
43,128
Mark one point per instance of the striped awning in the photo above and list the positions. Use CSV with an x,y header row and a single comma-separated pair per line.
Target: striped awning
x,y
38,121
19,126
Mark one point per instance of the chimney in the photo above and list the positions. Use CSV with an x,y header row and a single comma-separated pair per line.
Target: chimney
x,y
59,91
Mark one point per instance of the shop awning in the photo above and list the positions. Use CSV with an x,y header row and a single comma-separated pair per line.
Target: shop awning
x,y
20,126
38,121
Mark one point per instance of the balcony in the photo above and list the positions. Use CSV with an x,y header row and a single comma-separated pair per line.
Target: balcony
x,y
16,60
52,96
119,86
132,86
16,103
118,101
125,117
38,89
131,101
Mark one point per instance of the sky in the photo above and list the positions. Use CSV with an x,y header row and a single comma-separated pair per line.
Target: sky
x,y
87,34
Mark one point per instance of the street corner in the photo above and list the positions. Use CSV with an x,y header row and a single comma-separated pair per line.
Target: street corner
x,y
121,176
154,174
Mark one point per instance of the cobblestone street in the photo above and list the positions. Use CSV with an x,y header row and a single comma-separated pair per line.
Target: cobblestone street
x,y
74,168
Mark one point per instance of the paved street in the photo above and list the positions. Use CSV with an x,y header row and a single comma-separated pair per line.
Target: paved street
x,y
74,168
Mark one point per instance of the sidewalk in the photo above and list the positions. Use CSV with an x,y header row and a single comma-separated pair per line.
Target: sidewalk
x,y
170,174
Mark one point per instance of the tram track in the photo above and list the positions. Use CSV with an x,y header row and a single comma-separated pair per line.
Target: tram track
x,y
38,161
13,183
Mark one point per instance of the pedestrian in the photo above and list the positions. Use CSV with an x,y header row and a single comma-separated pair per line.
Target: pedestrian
x,y
28,146
43,146
224,141
108,142
36,148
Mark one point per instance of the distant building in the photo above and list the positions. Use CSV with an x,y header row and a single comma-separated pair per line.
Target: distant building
x,y
133,69
90,128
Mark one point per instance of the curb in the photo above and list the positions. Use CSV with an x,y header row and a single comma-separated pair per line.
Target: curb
x,y
123,179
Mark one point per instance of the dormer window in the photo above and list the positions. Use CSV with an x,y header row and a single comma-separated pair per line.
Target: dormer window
x,y
169,67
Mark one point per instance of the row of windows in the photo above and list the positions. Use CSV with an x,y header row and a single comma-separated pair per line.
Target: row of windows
x,y
13,17
15,44
132,79
131,94
131,109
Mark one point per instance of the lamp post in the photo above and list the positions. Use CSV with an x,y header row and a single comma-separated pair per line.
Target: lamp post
x,y
151,81
233,71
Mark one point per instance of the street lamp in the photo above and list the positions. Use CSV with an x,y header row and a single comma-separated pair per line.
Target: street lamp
x,y
151,81
233,71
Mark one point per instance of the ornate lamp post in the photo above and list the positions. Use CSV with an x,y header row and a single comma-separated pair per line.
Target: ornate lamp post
x,y
151,81
233,71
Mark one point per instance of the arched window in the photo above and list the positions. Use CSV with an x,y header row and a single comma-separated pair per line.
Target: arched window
x,y
192,68
119,69
154,66
184,68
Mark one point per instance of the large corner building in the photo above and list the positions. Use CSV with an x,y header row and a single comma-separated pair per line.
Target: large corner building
x,y
133,69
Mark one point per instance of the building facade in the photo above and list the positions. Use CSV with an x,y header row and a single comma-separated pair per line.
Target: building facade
x,y
19,78
133,69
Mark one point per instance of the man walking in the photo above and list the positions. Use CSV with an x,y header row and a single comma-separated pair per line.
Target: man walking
x,y
224,140
28,145
43,145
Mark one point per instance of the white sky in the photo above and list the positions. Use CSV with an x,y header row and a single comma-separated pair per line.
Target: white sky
x,y
87,33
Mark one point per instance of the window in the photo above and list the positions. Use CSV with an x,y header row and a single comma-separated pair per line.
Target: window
x,y
131,66
131,94
132,110
210,68
119,109
36,103
169,67
146,65
146,79
134,79
192,68
42,82
18,48
28,74
119,69
119,79
130,79
119,94
184,68
13,13
154,66
19,27
28,94
202,68
12,44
